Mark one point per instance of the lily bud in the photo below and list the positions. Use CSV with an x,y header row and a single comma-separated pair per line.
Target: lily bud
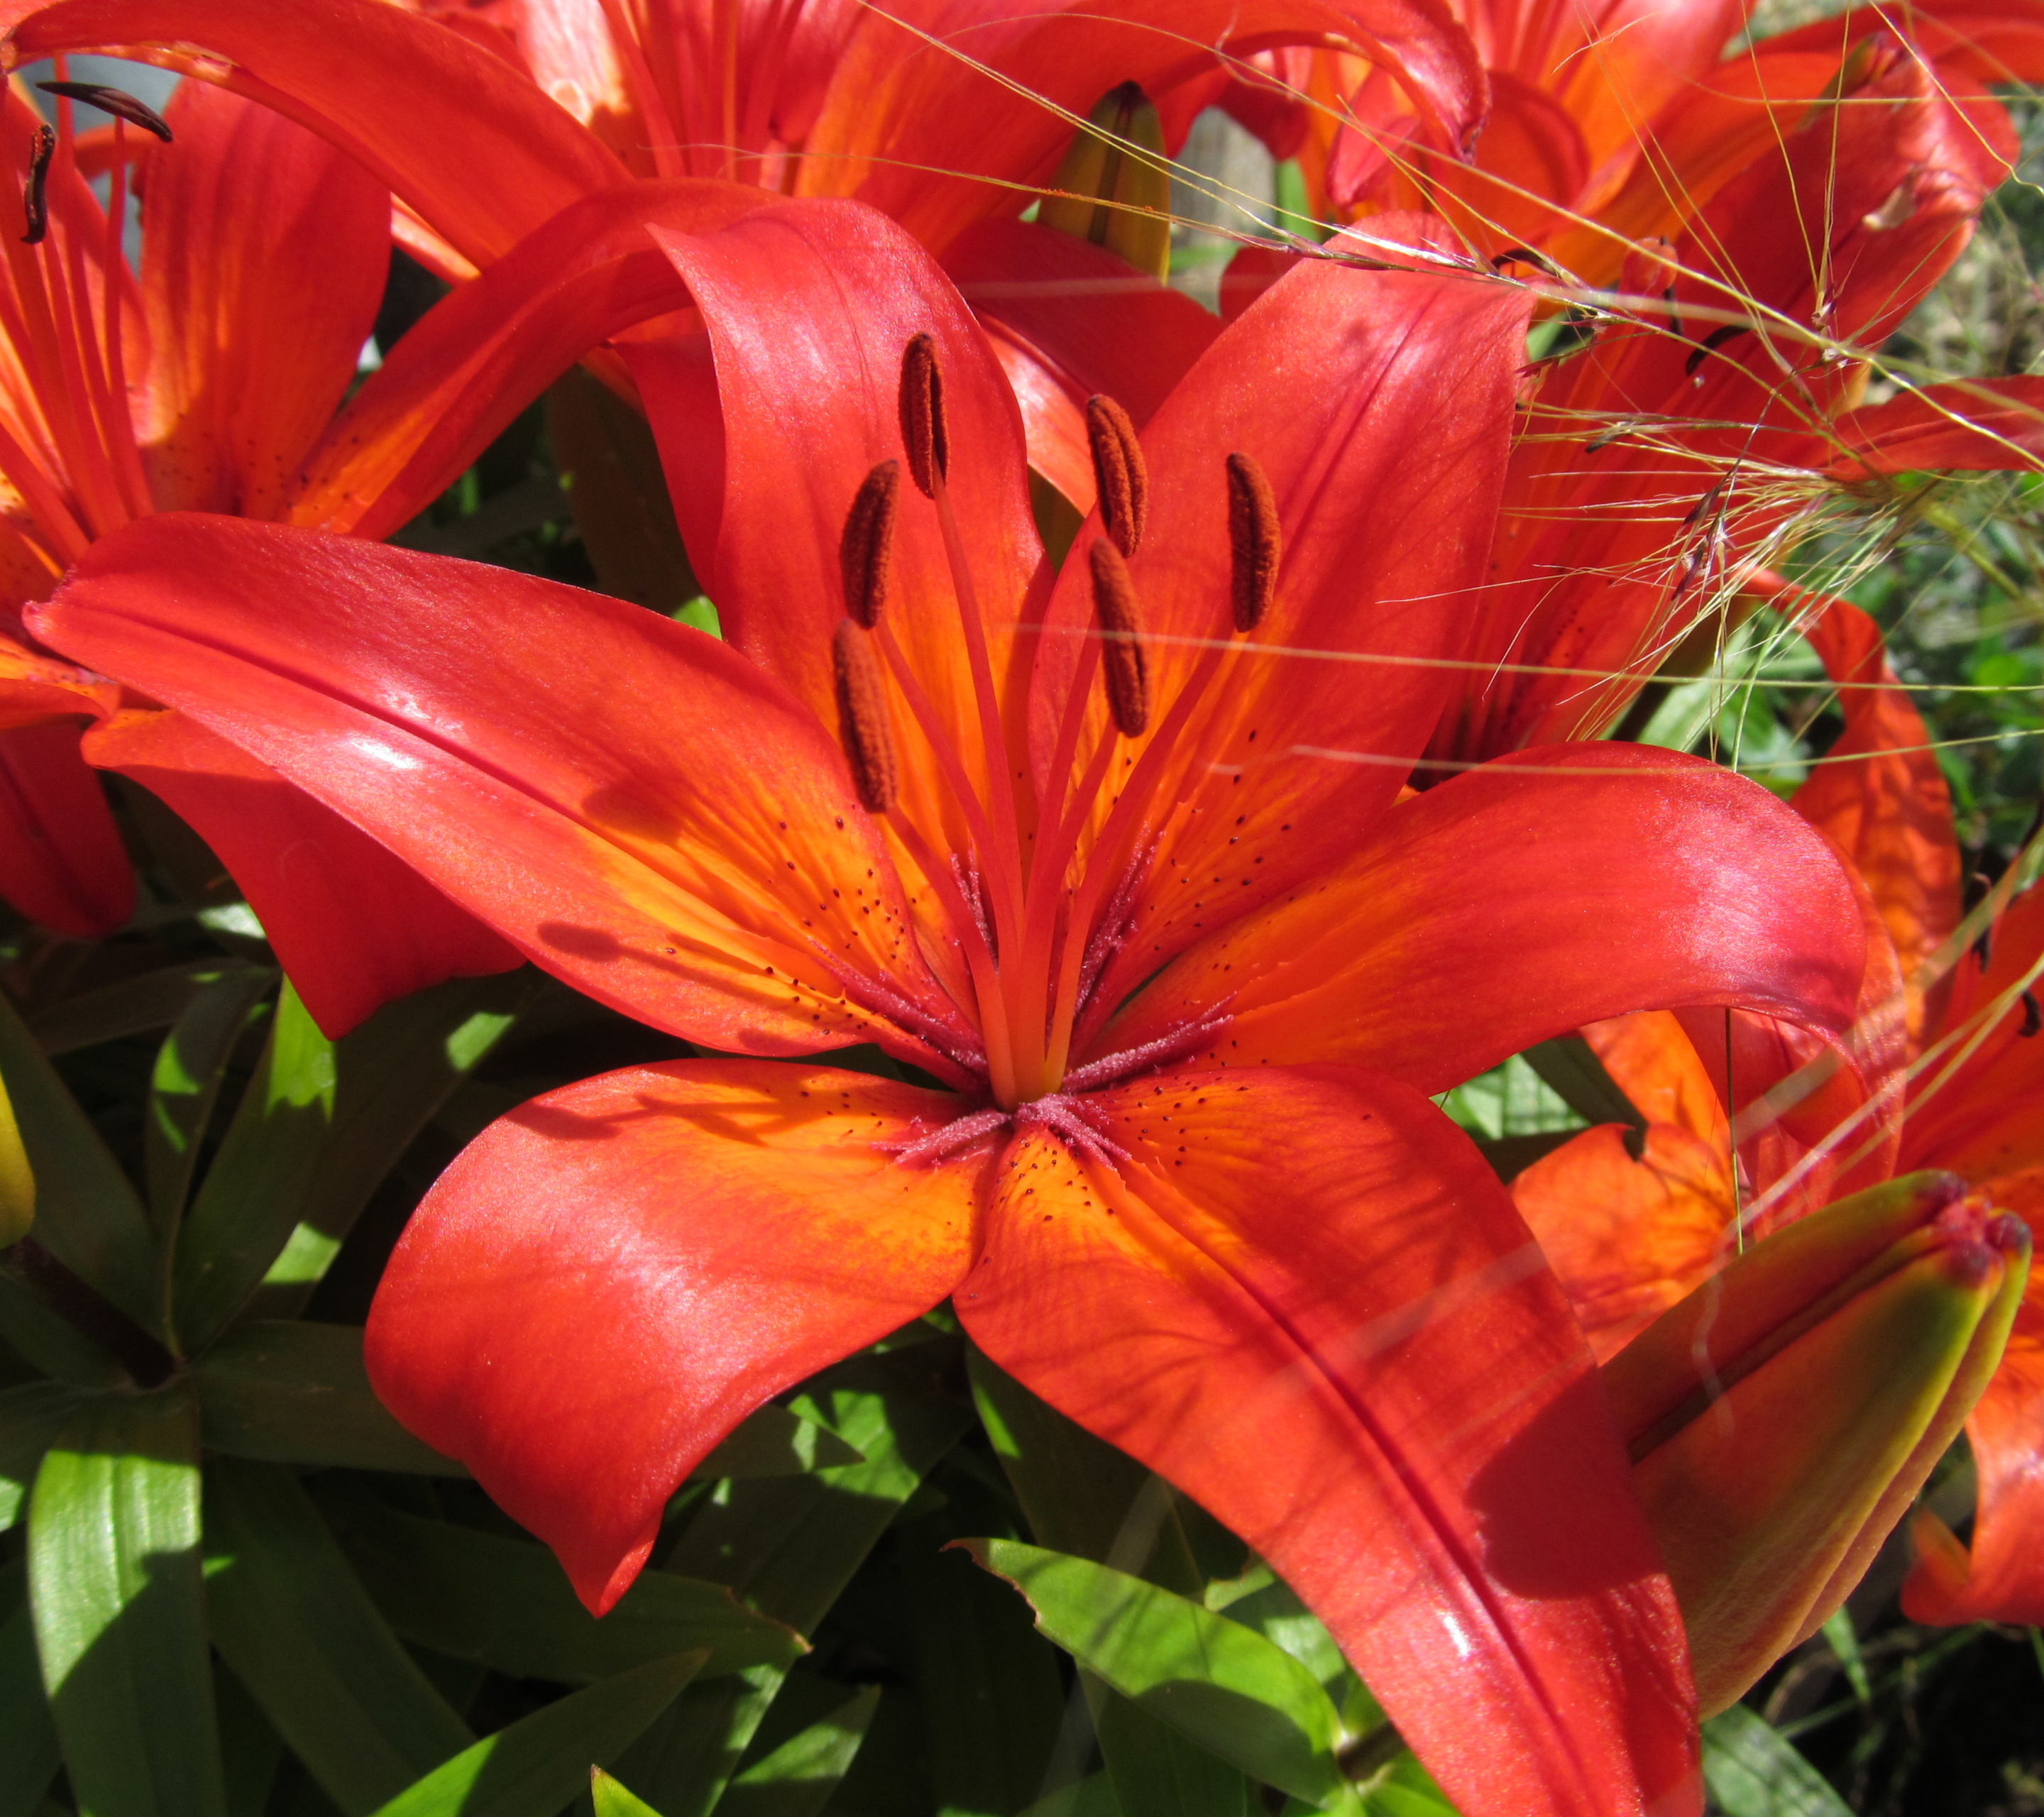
x,y
1105,184
17,1183
1780,1418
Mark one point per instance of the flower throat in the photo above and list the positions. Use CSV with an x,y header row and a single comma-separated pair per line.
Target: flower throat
x,y
1034,944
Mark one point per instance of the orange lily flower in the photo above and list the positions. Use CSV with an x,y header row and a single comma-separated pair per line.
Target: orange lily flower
x,y
1659,462
1214,1219
947,114
1629,1237
212,380
1610,127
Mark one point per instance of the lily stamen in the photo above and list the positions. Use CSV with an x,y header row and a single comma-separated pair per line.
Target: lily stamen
x,y
1121,480
867,550
1120,622
35,198
862,706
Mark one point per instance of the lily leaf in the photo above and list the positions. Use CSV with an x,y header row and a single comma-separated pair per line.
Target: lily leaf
x,y
184,1085
775,1441
1092,1796
31,1415
507,1604
308,1645
798,1778
245,1209
113,1574
1221,1684
134,1006
292,1392
789,1545
613,1798
1752,1771
539,1764
394,1072
28,1756
86,1214
42,1335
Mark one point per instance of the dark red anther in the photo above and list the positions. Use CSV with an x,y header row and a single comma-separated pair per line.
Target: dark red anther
x,y
35,198
1120,476
862,711
925,436
116,101
1123,666
866,549
1255,539
2033,1017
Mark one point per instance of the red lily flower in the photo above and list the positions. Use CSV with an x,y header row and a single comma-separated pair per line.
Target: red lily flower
x,y
262,268
1660,461
1629,1237
1220,1225
944,113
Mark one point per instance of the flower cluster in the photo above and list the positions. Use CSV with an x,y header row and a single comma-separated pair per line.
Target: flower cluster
x,y
1145,755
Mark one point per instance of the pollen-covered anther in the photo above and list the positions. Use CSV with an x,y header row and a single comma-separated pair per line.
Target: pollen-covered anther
x,y
1255,540
35,198
867,547
116,101
1120,477
862,709
925,435
1122,664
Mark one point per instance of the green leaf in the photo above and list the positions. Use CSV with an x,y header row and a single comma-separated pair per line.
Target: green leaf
x,y
1092,1796
789,1545
249,1204
992,1701
394,1074
774,1442
28,1756
249,1750
184,1085
1571,1067
295,1393
507,1604
86,1214
114,1580
1078,1493
1752,1771
1155,1771
45,1337
31,1416
1843,1640
535,1766
1221,1684
798,1778
308,1645
134,1006
613,1799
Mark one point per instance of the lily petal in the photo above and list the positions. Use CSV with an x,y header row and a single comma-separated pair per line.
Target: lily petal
x,y
264,257
1971,424
954,89
1378,405
353,926
610,1278
1890,811
637,808
480,356
60,853
1973,1101
1306,1302
374,80
1519,901
806,402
